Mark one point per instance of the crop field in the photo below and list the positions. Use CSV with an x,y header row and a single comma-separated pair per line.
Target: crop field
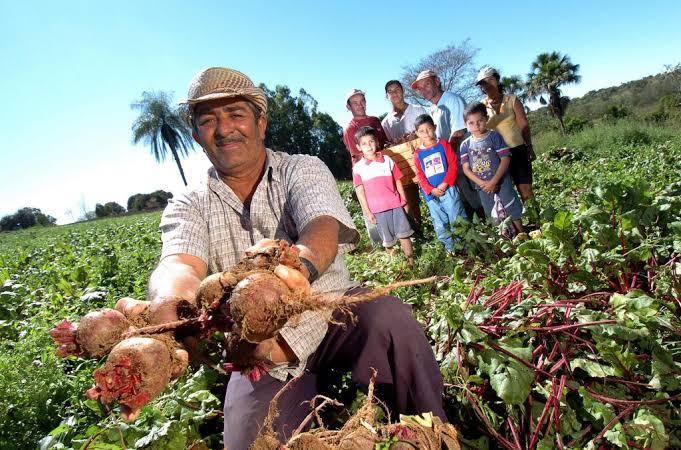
x,y
568,339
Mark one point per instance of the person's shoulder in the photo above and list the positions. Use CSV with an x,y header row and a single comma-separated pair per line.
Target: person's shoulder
x,y
387,159
416,108
288,163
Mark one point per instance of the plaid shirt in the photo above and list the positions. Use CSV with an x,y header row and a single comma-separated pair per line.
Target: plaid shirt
x,y
211,223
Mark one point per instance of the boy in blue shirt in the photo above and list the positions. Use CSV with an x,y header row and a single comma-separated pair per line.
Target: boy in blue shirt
x,y
436,169
485,158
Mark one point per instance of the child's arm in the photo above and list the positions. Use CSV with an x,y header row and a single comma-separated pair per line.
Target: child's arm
x,y
471,176
452,167
361,196
501,170
400,189
423,181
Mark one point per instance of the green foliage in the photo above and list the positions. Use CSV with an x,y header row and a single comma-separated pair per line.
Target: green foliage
x,y
294,125
575,124
149,202
608,244
550,71
616,112
108,209
26,218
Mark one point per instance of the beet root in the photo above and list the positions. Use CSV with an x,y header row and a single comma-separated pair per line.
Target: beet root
x,y
136,371
95,334
136,311
169,308
260,305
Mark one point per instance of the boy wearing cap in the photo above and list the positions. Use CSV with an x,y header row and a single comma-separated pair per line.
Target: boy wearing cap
x,y
356,103
380,192
252,197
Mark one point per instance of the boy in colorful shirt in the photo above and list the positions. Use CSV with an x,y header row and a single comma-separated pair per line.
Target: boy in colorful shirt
x,y
380,192
436,170
485,158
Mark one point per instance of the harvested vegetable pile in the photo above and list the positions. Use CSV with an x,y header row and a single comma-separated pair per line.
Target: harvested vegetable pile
x,y
249,303
361,431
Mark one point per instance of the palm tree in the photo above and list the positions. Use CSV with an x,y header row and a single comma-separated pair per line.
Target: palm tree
x,y
549,72
162,127
514,85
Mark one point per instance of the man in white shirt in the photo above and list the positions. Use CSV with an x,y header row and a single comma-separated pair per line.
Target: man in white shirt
x,y
400,121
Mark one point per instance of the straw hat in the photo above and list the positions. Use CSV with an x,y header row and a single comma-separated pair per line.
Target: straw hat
x,y
221,82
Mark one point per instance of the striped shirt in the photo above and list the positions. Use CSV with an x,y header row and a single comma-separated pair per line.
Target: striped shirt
x,y
211,223
378,178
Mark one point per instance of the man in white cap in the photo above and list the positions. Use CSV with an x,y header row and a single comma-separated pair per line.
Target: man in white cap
x,y
356,103
446,109
251,196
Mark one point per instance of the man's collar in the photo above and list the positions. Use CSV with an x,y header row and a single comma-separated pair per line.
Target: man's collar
x,y
272,163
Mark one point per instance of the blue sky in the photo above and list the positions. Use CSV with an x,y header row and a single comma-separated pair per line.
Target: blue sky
x,y
70,70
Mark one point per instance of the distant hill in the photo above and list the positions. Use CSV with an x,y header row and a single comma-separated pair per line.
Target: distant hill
x,y
650,98
639,96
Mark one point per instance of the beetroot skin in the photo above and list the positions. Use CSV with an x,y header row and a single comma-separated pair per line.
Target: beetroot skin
x,y
95,334
137,370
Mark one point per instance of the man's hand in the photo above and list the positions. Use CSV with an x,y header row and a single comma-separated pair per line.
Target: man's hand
x,y
371,217
437,192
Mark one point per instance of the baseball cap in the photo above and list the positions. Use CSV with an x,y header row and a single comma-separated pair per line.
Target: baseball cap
x,y
485,72
352,92
221,82
422,76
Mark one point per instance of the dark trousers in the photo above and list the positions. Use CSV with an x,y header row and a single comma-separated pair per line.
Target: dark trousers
x,y
385,336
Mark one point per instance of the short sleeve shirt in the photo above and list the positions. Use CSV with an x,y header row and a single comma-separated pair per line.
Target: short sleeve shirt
x,y
378,178
396,127
484,155
448,115
211,223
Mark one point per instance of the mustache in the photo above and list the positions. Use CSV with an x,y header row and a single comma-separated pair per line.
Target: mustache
x,y
229,140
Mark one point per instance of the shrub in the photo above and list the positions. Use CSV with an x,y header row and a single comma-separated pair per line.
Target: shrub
x,y
575,124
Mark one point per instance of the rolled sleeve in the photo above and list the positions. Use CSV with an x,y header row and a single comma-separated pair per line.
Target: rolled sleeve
x,y
313,193
184,229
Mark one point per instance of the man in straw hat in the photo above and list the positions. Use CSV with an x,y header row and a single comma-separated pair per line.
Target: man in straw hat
x,y
446,109
251,196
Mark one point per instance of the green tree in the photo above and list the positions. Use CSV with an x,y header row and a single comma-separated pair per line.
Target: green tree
x,y
108,209
149,202
514,85
26,218
549,72
295,126
162,127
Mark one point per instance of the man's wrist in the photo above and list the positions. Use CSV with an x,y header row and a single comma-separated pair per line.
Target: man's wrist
x,y
311,269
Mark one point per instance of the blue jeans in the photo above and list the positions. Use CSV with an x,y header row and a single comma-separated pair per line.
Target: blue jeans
x,y
444,211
